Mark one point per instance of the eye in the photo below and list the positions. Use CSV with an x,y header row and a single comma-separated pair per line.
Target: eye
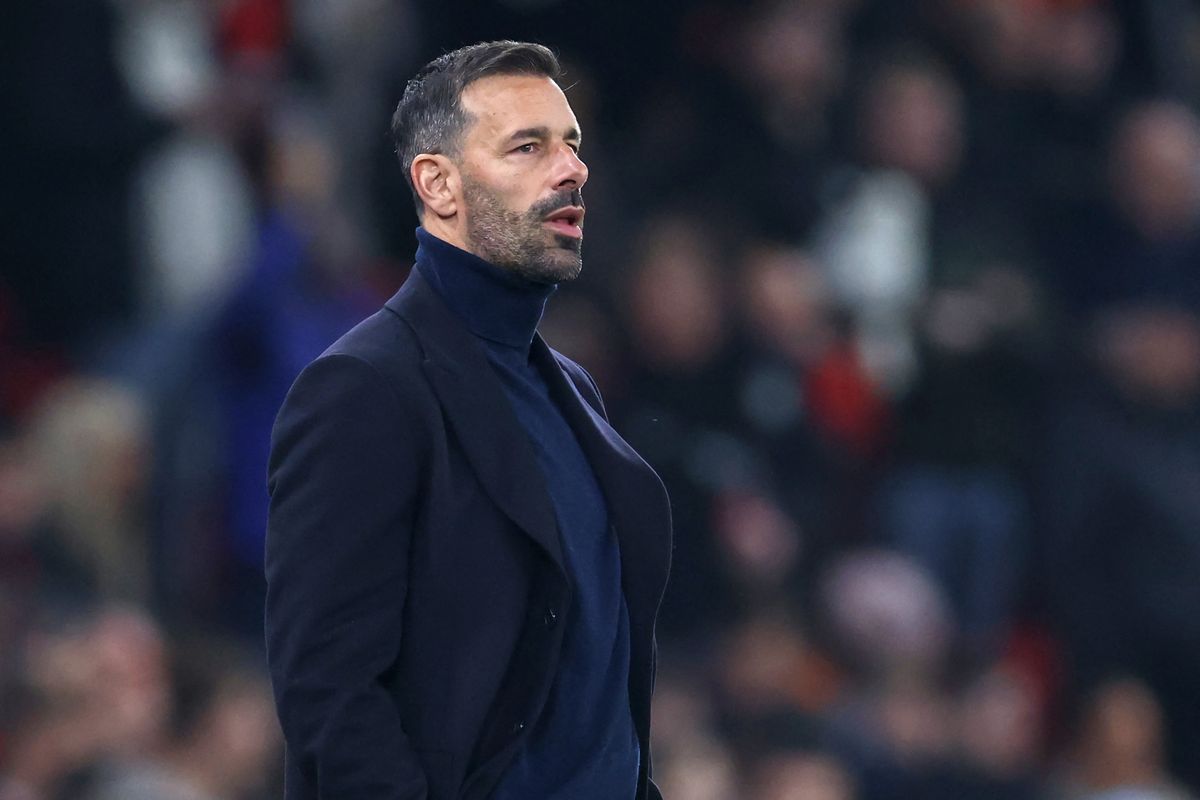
x,y
574,147
528,147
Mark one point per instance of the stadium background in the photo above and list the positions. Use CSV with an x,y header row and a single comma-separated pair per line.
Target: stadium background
x,y
899,296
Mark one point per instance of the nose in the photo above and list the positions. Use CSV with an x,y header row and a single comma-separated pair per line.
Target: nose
x,y
570,171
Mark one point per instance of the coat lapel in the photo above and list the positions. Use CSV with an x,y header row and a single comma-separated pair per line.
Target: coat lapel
x,y
478,412
637,501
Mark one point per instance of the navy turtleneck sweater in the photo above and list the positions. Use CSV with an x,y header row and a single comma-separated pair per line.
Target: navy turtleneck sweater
x,y
584,745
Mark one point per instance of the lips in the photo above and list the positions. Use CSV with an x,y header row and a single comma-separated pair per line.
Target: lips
x,y
567,221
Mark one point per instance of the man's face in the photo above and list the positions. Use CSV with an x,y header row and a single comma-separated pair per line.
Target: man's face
x,y
521,177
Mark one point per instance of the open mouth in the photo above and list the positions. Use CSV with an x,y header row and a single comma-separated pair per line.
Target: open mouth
x,y
567,221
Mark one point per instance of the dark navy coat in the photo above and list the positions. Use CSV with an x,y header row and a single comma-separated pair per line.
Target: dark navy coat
x,y
416,584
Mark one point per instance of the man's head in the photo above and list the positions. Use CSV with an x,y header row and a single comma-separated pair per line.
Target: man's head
x,y
911,118
490,148
1153,167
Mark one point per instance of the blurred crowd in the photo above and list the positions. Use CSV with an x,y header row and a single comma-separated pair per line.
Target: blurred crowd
x,y
900,297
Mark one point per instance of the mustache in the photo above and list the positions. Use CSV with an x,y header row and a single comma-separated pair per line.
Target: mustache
x,y
566,197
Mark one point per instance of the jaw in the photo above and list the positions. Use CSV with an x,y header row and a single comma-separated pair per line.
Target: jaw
x,y
561,261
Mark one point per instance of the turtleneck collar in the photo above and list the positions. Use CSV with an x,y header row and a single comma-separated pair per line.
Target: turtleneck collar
x,y
494,303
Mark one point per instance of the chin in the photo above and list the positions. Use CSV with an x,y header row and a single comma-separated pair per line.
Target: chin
x,y
566,271
558,267
567,257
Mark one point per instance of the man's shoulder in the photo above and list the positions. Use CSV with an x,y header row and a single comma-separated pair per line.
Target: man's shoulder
x,y
382,340
379,350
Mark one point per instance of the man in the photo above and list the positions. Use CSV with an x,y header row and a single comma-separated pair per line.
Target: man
x,y
464,561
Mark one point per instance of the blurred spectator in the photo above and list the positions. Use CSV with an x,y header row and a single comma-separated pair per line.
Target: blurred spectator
x,y
999,736
890,625
801,776
803,390
21,556
1154,171
887,617
1141,244
944,321
683,707
357,47
769,667
786,303
1000,726
1123,464
194,239
89,451
878,240
105,708
1120,747
748,113
697,770
582,328
956,498
679,409
790,344
1126,440
193,205
223,739
1080,50
306,281
759,547
94,690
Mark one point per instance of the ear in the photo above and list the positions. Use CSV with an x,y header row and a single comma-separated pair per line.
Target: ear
x,y
435,179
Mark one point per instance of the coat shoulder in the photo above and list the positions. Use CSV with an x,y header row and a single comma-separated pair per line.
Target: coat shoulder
x,y
379,356
387,344
383,340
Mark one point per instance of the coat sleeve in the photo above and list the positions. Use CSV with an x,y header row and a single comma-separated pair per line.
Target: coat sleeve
x,y
343,480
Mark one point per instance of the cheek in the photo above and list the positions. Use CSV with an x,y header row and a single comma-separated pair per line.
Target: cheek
x,y
520,186
512,186
516,193
529,198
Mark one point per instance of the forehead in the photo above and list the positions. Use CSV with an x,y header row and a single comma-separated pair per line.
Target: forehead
x,y
501,104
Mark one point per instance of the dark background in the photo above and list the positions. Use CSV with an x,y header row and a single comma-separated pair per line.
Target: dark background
x,y
901,299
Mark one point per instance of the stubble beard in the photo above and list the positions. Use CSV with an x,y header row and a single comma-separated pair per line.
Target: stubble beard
x,y
519,242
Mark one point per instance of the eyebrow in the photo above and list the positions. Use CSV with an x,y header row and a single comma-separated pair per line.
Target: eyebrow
x,y
543,132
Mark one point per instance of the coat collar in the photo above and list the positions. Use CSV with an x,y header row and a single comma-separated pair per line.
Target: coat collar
x,y
503,458
470,392
637,500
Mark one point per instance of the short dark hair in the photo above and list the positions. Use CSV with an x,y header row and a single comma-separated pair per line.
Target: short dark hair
x,y
430,117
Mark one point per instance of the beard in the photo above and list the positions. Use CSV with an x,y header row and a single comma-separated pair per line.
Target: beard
x,y
519,242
